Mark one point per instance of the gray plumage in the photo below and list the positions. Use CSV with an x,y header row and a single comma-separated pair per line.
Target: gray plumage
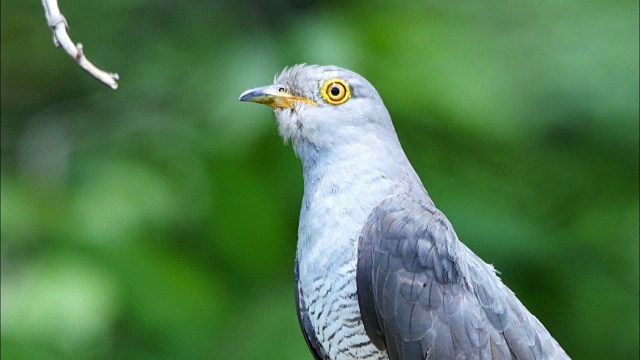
x,y
380,273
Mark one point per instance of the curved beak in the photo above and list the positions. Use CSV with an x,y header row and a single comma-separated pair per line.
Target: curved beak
x,y
275,96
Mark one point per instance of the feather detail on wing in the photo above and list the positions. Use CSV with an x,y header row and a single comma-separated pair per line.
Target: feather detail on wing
x,y
424,295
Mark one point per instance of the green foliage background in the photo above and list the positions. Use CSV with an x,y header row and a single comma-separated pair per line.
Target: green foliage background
x,y
159,221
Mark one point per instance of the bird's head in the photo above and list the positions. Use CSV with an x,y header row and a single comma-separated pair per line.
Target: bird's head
x,y
324,107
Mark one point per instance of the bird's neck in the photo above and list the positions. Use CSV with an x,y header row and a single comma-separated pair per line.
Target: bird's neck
x,y
342,185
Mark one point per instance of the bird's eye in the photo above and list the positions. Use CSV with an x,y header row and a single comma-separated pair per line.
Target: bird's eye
x,y
336,91
281,89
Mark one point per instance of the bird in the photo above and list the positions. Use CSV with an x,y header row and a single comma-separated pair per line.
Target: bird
x,y
379,271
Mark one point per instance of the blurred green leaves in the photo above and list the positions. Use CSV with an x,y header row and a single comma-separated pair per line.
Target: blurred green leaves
x,y
159,221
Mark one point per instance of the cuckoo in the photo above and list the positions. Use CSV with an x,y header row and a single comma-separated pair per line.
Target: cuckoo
x,y
379,270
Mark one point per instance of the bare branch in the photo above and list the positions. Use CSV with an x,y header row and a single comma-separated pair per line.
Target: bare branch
x,y
58,25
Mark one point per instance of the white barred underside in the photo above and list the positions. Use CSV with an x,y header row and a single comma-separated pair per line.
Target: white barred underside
x,y
335,315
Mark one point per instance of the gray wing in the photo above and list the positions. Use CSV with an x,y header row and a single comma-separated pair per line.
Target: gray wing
x,y
314,345
424,295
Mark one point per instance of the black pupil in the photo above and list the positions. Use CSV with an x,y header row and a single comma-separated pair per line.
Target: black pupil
x,y
335,91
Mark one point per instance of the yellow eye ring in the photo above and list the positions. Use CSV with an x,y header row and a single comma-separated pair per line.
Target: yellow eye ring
x,y
336,91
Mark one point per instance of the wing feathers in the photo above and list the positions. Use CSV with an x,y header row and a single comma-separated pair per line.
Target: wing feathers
x,y
424,295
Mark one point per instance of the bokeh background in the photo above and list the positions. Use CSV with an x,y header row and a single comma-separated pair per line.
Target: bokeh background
x,y
159,221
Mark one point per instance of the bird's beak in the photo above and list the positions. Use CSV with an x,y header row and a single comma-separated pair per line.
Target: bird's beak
x,y
275,96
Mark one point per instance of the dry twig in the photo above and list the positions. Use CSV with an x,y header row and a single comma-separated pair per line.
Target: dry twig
x,y
58,25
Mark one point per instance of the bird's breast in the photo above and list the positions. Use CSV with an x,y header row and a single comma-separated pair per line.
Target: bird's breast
x,y
332,216
333,310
